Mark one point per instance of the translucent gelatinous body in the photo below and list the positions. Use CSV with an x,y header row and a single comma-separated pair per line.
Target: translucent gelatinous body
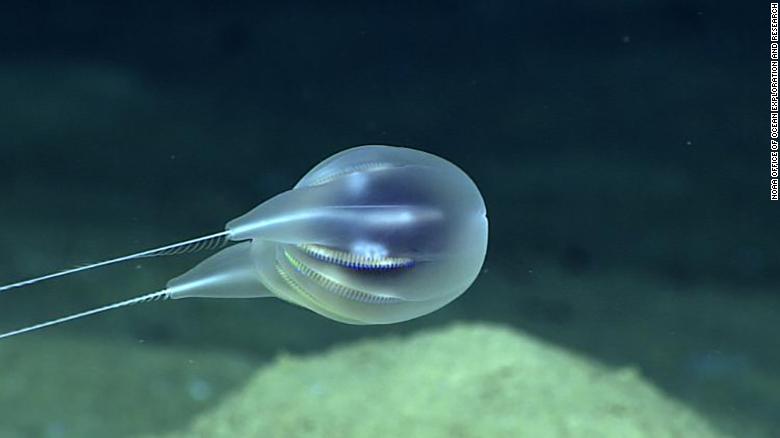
x,y
372,235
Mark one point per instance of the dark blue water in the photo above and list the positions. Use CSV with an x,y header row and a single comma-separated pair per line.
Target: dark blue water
x,y
622,150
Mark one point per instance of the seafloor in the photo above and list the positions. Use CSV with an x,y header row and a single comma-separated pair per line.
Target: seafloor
x,y
467,380
645,369
629,289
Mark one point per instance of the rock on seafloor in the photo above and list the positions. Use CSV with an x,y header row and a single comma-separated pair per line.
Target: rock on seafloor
x,y
463,381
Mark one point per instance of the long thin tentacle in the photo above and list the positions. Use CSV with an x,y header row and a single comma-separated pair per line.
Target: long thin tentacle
x,y
211,241
159,295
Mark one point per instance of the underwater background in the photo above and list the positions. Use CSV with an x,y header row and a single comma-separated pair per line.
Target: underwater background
x,y
631,282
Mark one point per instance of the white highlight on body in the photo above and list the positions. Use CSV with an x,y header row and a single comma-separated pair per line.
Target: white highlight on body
x,y
375,215
369,250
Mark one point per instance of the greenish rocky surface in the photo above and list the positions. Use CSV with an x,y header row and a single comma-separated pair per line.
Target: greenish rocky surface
x,y
463,381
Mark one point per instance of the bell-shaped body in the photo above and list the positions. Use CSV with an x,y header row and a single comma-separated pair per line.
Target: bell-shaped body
x,y
372,235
